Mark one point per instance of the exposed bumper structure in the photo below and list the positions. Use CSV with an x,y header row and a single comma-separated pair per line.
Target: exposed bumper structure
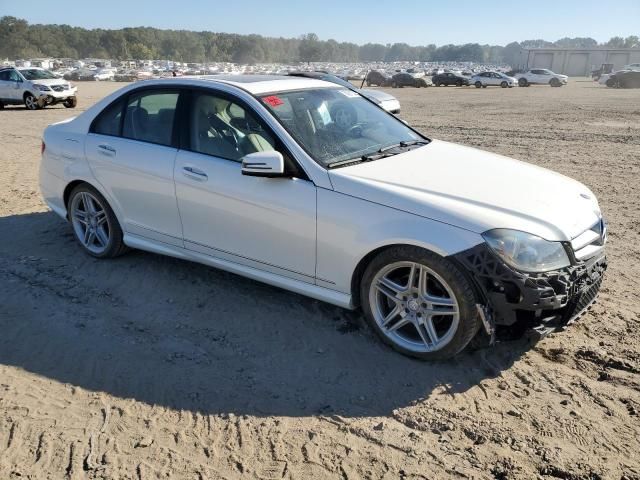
x,y
545,302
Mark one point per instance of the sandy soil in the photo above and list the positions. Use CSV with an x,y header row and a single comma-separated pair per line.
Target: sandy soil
x,y
149,367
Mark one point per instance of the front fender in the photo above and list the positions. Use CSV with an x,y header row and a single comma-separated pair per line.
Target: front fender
x,y
349,228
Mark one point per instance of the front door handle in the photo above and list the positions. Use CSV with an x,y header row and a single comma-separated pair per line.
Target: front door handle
x,y
194,173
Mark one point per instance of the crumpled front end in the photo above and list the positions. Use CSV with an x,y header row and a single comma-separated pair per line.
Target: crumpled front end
x,y
545,302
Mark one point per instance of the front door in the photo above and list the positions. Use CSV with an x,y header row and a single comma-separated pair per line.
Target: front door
x,y
265,223
133,158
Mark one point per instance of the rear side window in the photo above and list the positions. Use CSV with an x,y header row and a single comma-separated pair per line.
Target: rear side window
x,y
4,76
108,122
149,117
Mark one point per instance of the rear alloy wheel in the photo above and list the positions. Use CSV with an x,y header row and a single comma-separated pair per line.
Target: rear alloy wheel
x,y
31,102
478,85
523,82
419,303
71,102
504,84
94,224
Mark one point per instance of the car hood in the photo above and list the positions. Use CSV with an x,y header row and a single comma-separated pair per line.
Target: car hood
x,y
376,95
50,81
474,190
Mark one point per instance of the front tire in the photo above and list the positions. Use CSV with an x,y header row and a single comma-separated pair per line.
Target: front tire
x,y
523,82
555,82
95,226
31,102
504,84
478,85
419,303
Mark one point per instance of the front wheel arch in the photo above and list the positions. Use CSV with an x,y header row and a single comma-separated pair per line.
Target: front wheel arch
x,y
358,272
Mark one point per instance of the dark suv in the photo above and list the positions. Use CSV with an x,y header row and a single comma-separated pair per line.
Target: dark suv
x,y
378,79
408,80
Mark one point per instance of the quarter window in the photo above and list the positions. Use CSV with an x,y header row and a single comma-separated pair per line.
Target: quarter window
x,y
225,129
108,123
149,117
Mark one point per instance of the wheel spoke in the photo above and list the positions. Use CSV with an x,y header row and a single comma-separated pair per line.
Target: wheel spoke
x,y
101,217
430,328
89,237
390,288
399,324
81,216
395,311
87,201
102,237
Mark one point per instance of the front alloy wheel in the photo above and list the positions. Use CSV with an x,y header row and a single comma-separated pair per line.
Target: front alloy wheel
x,y
31,102
419,303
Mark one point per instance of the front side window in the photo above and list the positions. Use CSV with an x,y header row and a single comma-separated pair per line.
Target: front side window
x,y
223,128
337,124
36,74
149,116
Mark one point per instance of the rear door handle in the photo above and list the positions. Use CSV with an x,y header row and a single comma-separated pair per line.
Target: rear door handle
x,y
194,173
107,150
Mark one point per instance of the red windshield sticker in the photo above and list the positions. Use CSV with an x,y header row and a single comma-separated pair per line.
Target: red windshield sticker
x,y
273,100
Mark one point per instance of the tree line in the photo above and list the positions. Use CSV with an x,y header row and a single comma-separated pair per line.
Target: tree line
x,y
19,39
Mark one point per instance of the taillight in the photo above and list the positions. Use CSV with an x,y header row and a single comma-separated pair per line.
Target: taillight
x,y
42,147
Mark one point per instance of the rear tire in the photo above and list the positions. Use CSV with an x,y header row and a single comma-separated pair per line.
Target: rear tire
x,y
401,311
438,83
94,224
478,85
458,83
523,82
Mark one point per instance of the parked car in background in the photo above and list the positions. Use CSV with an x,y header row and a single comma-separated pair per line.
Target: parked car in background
x,y
35,88
624,79
449,78
404,79
632,66
541,76
485,79
383,99
605,69
258,175
378,79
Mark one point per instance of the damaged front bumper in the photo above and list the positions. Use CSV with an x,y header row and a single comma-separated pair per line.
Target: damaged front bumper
x,y
544,302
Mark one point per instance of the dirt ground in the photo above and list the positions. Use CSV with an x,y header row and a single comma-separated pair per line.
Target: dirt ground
x,y
150,367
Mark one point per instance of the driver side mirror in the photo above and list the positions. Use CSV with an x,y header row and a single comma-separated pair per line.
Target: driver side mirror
x,y
269,164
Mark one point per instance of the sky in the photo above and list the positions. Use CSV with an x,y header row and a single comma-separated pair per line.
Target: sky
x,y
360,21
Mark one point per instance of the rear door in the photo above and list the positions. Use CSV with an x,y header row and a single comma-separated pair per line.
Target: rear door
x,y
132,152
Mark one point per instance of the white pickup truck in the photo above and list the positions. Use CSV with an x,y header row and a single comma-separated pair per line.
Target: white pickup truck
x,y
541,76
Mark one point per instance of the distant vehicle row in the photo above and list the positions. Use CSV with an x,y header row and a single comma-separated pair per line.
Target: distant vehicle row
x,y
479,80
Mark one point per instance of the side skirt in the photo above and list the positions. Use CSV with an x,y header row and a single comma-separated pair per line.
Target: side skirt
x,y
314,291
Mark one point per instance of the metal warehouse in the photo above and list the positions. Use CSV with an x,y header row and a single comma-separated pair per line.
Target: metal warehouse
x,y
578,61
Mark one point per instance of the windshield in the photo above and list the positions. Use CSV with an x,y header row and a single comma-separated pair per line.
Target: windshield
x,y
35,74
335,124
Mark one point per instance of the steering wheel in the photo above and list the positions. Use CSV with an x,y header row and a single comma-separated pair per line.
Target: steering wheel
x,y
355,131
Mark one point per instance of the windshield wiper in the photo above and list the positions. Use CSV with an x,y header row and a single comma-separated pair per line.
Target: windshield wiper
x,y
403,144
382,153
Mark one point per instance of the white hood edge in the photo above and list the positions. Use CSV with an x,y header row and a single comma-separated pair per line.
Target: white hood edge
x,y
474,190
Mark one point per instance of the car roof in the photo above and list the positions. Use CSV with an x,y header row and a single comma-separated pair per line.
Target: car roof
x,y
259,84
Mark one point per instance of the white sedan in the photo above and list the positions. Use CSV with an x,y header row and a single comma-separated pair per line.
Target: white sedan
x,y
308,186
498,79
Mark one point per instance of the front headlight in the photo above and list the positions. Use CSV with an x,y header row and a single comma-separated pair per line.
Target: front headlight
x,y
526,252
42,88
